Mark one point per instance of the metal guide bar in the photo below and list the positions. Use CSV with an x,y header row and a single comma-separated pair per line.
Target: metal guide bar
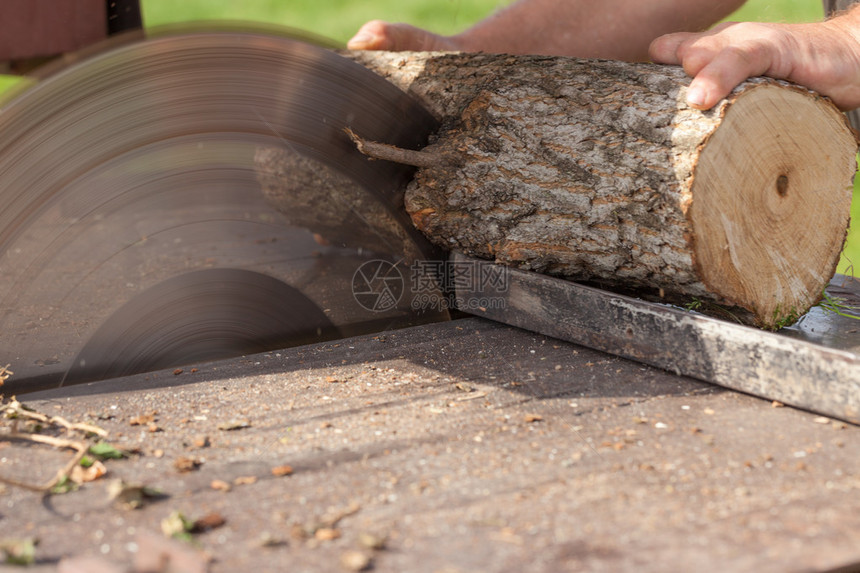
x,y
771,365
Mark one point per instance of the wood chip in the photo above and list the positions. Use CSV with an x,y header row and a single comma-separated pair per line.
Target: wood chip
x,y
326,534
472,396
355,561
201,442
245,480
234,425
531,418
220,485
183,464
143,419
371,541
283,470
209,521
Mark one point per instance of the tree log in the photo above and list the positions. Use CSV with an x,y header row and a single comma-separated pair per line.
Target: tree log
x,y
598,171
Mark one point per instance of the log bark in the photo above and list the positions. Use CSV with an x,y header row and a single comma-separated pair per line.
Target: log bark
x,y
598,171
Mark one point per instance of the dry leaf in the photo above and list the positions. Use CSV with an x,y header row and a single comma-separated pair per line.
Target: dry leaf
x,y
81,474
19,551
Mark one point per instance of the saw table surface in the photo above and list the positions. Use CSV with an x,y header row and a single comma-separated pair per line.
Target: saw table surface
x,y
466,446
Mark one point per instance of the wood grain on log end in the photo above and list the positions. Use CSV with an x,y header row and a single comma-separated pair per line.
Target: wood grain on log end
x,y
771,198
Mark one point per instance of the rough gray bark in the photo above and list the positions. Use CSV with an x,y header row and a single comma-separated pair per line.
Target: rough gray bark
x,y
332,206
598,171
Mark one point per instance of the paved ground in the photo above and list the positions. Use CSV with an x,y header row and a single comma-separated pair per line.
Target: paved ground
x,y
465,446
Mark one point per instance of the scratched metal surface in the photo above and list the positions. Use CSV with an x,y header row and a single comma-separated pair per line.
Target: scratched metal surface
x,y
814,365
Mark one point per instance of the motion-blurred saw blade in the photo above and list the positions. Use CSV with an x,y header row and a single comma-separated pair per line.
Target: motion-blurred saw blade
x,y
192,196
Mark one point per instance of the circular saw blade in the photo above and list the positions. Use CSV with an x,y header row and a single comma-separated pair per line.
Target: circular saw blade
x,y
192,196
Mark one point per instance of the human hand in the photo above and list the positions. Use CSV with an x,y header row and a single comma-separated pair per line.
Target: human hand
x,y
379,35
823,56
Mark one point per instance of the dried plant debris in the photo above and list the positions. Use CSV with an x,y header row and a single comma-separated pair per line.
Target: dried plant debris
x,y
184,464
62,475
5,373
177,526
106,451
132,495
17,412
24,424
143,419
18,551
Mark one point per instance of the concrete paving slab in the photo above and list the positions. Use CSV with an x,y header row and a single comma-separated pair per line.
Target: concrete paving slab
x,y
465,446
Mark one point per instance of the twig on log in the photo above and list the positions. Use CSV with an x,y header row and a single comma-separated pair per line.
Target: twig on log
x,y
376,150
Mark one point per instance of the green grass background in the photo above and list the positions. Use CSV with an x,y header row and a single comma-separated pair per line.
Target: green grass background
x,y
338,19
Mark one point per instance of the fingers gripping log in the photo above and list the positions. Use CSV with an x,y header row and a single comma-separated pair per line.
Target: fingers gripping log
x,y
598,171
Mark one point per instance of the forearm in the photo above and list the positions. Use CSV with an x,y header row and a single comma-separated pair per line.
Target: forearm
x,y
615,29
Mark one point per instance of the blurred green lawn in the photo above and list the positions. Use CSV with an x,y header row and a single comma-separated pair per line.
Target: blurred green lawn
x,y
338,19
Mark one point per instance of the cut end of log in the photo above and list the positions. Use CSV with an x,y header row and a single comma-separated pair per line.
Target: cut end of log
x,y
771,198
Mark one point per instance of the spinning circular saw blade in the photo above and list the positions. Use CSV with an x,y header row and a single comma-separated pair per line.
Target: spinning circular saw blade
x,y
192,196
